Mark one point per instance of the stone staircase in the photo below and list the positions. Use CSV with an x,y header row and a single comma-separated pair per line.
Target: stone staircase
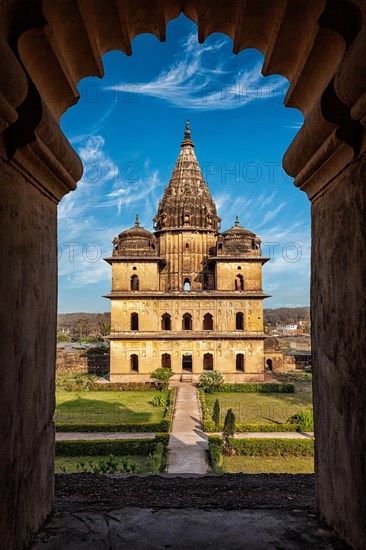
x,y
186,377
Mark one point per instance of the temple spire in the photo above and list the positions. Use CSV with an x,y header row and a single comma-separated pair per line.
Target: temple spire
x,y
237,223
137,223
187,137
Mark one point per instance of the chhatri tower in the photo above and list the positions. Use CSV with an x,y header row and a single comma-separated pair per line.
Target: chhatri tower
x,y
187,296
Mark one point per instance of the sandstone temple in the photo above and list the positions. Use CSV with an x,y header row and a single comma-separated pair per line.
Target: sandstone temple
x,y
187,297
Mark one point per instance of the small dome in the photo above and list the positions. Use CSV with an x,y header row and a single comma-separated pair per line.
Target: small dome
x,y
135,231
238,231
135,241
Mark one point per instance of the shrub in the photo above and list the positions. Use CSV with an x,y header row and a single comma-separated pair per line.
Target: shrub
x,y
272,447
216,413
98,350
61,337
162,376
304,418
158,401
211,381
229,424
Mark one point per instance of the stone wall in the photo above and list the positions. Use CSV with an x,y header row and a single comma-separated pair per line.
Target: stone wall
x,y
82,362
338,308
28,281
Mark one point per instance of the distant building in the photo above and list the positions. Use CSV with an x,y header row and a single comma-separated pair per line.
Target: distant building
x,y
186,296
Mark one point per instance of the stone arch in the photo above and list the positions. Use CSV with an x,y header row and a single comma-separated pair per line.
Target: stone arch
x,y
166,361
239,282
135,282
187,321
207,321
134,362
208,361
42,60
166,321
239,320
240,362
134,321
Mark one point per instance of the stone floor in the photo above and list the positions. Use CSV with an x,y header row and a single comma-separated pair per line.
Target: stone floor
x,y
185,512
188,442
149,529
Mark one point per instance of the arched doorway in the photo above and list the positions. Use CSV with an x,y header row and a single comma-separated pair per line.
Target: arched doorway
x,y
187,362
166,361
239,362
269,364
134,362
208,363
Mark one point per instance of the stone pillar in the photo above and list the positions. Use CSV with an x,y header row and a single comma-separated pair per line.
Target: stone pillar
x,y
28,279
338,305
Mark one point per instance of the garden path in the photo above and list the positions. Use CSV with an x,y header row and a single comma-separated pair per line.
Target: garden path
x,y
188,443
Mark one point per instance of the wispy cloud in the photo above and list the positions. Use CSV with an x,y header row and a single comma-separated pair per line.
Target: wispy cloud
x,y
200,79
85,235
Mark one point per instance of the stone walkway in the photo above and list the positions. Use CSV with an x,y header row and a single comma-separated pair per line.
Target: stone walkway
x,y
188,442
92,436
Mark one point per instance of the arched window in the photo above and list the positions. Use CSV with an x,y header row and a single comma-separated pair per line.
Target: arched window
x,y
240,362
269,364
135,283
208,361
208,322
239,282
166,361
187,321
134,321
239,321
134,362
166,322
187,285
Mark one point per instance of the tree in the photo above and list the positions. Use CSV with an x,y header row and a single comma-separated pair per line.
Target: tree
x,y
216,413
211,381
229,425
162,377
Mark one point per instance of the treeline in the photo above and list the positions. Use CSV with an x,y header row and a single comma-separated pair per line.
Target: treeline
x,y
286,315
84,325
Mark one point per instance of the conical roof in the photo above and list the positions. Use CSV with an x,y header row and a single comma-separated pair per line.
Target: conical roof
x,y
187,201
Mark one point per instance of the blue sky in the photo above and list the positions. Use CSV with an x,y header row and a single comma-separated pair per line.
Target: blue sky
x,y
127,129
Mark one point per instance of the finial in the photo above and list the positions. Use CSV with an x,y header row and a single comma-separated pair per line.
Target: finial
x,y
187,136
137,223
187,130
237,221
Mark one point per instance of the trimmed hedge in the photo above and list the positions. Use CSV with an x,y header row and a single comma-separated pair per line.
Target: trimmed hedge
x,y
209,427
141,427
252,387
272,447
104,447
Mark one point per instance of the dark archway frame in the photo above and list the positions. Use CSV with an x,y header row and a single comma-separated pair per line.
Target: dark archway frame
x,y
46,48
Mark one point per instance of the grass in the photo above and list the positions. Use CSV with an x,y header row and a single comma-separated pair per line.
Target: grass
x,y
268,465
261,408
68,464
107,406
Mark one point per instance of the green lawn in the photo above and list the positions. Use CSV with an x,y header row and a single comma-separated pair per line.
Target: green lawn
x,y
69,464
268,465
266,408
107,406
